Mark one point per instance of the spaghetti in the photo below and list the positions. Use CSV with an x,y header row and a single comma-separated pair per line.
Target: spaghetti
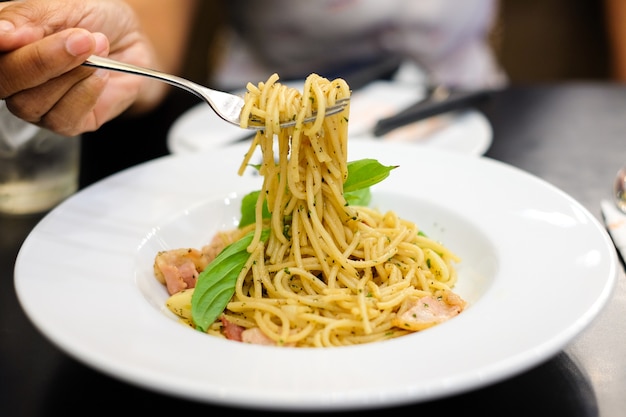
x,y
328,273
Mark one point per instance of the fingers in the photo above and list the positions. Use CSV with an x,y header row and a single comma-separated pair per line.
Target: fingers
x,y
21,23
12,37
43,60
73,113
62,103
45,84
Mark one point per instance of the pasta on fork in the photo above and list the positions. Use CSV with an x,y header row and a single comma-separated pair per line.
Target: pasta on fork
x,y
314,266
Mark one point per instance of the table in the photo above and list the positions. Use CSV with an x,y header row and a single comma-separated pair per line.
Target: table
x,y
572,135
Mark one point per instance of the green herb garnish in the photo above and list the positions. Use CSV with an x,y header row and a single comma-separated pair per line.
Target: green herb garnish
x,y
216,284
248,206
365,173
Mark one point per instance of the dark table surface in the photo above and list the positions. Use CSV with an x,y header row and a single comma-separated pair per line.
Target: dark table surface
x,y
573,135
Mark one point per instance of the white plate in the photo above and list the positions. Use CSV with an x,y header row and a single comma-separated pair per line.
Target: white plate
x,y
466,132
536,268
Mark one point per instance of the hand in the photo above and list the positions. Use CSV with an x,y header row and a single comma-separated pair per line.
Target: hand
x,y
42,46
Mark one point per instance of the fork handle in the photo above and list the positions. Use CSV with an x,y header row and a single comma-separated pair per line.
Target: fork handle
x,y
110,64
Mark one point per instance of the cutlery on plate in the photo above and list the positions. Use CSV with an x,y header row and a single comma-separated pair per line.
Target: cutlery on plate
x,y
433,105
614,214
615,222
619,189
227,106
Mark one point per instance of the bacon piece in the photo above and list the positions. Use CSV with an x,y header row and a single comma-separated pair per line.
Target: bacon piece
x,y
430,310
238,333
178,269
232,331
255,336
219,242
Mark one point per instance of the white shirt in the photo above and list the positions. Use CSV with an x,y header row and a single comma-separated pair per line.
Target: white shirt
x,y
444,40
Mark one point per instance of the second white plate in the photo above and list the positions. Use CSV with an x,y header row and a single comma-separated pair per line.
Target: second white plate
x,y
466,132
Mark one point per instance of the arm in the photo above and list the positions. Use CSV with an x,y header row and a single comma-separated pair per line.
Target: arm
x,y
168,25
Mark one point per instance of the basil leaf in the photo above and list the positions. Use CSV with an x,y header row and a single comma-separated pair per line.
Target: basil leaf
x,y
216,284
248,207
360,197
365,173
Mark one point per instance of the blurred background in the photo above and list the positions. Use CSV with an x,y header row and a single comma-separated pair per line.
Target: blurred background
x,y
536,40
551,40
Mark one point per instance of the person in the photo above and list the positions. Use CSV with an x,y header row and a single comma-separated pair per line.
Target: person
x,y
441,41
44,42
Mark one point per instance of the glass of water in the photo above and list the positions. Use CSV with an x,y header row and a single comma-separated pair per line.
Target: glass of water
x,y
38,168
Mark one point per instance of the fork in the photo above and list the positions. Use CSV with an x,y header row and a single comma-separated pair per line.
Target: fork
x,y
227,106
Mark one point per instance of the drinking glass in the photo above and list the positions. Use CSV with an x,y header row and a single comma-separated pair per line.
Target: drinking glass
x,y
38,168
